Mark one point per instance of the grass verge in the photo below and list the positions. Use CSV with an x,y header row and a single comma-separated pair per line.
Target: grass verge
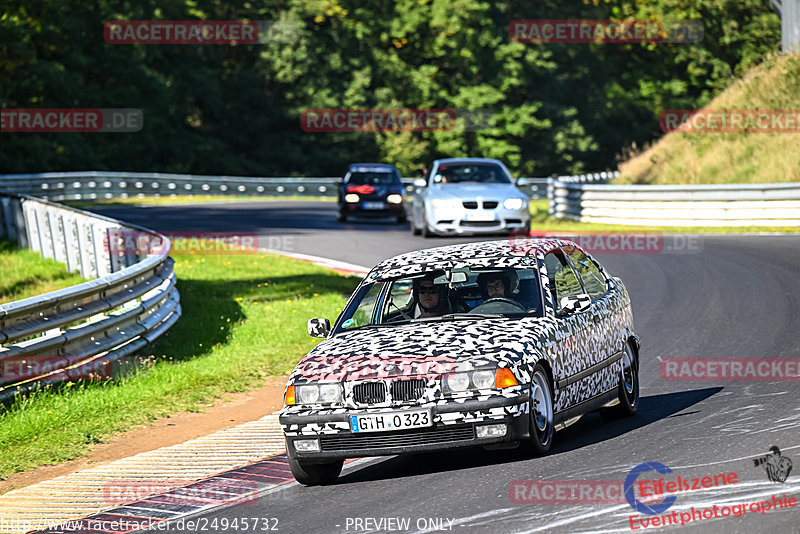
x,y
24,273
542,221
243,320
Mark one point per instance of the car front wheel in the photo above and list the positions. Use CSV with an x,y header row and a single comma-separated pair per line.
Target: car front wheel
x,y
542,428
314,474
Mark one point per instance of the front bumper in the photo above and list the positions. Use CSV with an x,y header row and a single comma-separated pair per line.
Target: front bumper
x,y
467,221
358,209
454,426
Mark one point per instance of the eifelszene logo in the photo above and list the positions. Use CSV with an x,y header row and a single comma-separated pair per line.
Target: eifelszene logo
x,y
777,467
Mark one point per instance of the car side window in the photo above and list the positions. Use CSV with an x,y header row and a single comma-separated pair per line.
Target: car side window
x,y
563,281
592,277
363,313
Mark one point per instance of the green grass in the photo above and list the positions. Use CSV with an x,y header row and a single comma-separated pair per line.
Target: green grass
x,y
24,273
243,320
187,199
718,158
542,221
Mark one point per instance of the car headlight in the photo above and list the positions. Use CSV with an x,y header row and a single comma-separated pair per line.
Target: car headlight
x,y
482,379
314,394
446,203
351,197
514,203
394,199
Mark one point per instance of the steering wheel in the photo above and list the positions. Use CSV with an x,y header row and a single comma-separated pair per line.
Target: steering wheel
x,y
503,300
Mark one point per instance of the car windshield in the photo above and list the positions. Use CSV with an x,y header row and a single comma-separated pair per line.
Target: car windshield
x,y
372,178
485,173
445,295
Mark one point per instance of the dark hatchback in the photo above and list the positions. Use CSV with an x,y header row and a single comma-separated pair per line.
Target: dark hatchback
x,y
372,190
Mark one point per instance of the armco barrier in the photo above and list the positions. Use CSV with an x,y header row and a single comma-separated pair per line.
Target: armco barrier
x,y
81,330
677,205
96,185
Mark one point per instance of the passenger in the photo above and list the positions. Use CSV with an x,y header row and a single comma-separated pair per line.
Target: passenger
x,y
494,286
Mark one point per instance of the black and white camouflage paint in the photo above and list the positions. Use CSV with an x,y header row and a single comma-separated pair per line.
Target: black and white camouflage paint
x,y
567,346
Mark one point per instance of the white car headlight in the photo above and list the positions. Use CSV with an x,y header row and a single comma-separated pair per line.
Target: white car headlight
x,y
483,379
318,393
351,197
330,393
457,382
514,203
306,394
394,199
446,203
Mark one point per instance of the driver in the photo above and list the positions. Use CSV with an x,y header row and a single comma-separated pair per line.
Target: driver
x,y
431,299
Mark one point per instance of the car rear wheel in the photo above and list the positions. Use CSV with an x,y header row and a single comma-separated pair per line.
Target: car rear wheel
x,y
313,474
542,428
628,390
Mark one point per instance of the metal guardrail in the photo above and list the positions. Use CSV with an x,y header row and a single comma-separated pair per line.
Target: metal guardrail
x,y
97,185
678,205
81,330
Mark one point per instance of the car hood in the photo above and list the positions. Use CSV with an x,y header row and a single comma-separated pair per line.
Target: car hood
x,y
496,191
423,349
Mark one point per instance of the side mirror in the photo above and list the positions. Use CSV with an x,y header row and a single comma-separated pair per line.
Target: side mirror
x,y
523,182
420,182
319,327
574,304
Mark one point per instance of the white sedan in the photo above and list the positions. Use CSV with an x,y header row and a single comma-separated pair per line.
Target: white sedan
x,y
468,195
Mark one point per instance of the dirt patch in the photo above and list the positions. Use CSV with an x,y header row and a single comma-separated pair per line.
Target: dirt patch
x,y
234,410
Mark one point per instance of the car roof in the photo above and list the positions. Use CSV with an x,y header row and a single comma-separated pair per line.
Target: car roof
x,y
468,160
502,253
383,165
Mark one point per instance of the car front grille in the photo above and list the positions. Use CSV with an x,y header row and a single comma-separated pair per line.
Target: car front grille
x,y
490,205
405,438
407,390
470,204
480,224
369,393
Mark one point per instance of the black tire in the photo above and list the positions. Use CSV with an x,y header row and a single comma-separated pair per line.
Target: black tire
x,y
312,474
402,219
628,389
541,412
341,217
425,229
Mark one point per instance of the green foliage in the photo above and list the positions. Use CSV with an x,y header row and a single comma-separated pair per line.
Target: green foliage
x,y
235,109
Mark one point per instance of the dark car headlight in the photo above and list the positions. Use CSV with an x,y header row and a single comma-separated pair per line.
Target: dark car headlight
x,y
324,393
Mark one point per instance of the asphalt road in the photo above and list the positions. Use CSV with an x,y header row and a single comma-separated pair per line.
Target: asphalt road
x,y
723,296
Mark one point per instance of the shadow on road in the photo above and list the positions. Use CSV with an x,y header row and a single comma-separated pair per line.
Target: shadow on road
x,y
588,431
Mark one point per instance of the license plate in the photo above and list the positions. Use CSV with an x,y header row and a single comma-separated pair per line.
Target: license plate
x,y
386,422
372,205
480,216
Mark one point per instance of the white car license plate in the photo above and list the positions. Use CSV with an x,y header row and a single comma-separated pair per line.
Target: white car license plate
x,y
386,422
480,216
372,205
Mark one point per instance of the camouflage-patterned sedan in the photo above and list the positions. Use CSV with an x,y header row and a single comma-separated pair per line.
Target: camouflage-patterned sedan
x,y
488,344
